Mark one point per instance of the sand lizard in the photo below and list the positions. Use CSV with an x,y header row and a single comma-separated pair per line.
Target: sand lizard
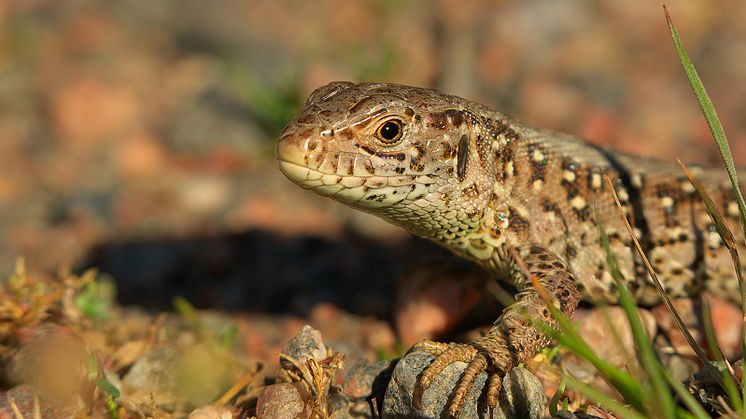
x,y
492,189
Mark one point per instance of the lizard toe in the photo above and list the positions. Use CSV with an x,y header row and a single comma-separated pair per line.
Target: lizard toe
x,y
493,389
476,366
448,354
431,347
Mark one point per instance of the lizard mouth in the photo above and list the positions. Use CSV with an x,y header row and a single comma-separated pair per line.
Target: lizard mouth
x,y
365,191
314,179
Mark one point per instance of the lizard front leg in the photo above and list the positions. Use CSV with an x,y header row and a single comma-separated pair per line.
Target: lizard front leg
x,y
513,338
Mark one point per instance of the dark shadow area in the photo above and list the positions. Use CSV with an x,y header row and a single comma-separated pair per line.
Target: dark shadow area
x,y
261,271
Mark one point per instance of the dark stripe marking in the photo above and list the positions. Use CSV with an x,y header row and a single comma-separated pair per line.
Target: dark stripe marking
x,y
463,157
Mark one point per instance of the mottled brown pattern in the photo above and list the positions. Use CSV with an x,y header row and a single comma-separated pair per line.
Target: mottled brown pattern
x,y
517,200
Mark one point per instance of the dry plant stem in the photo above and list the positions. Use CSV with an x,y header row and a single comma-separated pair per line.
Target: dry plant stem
x,y
656,282
245,381
16,412
37,407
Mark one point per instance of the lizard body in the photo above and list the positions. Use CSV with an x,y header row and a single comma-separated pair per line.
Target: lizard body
x,y
492,189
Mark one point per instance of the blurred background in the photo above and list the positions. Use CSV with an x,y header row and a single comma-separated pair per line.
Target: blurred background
x,y
138,136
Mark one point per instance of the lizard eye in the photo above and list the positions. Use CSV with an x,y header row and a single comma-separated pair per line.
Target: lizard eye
x,y
390,131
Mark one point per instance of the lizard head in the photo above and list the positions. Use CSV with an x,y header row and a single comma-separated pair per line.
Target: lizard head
x,y
416,157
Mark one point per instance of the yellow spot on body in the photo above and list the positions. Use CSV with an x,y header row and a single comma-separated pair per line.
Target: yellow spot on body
x,y
622,194
596,181
568,176
733,209
687,187
636,180
666,201
537,185
578,202
509,168
538,156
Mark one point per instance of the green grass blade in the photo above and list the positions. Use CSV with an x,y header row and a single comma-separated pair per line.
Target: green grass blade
x,y
664,403
708,110
632,391
566,335
556,398
683,414
721,141
620,410
731,386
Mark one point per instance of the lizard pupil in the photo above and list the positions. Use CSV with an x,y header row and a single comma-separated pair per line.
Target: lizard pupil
x,y
390,131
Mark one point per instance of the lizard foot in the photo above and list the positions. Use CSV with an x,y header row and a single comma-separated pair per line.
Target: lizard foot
x,y
445,355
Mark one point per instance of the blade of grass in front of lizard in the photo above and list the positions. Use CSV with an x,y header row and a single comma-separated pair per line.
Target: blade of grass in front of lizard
x,y
721,141
603,399
663,405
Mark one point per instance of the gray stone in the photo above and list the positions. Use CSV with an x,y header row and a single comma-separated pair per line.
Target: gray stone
x,y
521,395
338,404
282,400
367,379
307,344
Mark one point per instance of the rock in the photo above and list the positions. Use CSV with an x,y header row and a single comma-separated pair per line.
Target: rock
x,y
25,397
521,394
51,358
593,327
310,370
151,375
726,322
338,405
211,412
290,400
425,306
579,415
680,367
598,327
307,344
364,375
365,384
282,400
183,378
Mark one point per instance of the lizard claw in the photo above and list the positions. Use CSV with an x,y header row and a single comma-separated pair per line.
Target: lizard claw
x,y
445,355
